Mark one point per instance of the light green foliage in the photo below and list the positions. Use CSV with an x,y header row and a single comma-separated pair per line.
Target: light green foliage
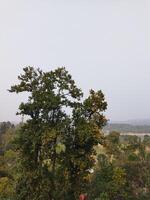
x,y
119,176
127,175
6,188
60,148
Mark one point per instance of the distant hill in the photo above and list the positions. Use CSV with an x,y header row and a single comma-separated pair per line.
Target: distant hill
x,y
133,122
139,122
135,127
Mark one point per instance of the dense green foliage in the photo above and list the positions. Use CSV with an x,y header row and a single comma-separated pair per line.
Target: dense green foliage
x,y
61,152
56,144
122,169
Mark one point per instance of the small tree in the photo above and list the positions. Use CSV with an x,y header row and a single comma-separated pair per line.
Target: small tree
x,y
56,144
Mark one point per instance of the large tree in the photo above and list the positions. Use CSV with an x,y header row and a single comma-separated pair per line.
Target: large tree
x,y
56,144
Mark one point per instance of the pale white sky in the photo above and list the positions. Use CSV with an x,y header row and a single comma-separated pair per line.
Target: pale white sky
x,y
105,44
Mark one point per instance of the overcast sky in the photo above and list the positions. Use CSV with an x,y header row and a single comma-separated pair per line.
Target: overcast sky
x,y
105,44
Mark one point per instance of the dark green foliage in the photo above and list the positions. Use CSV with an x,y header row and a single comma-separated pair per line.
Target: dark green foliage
x,y
4,126
56,144
7,162
108,181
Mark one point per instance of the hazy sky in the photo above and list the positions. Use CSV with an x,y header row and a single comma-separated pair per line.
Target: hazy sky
x,y
105,44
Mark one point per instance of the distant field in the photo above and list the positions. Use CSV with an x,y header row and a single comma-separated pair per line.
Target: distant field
x,y
137,134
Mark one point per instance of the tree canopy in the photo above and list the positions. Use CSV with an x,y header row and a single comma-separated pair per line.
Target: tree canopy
x,y
56,143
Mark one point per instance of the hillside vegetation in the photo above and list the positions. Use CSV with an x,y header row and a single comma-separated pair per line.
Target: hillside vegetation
x,y
121,171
